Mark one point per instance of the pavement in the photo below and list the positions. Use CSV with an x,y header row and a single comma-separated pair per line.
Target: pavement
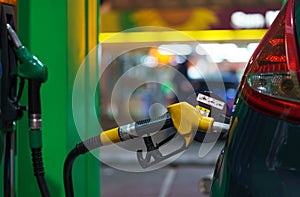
x,y
180,178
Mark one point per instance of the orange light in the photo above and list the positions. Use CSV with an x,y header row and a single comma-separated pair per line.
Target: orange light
x,y
162,59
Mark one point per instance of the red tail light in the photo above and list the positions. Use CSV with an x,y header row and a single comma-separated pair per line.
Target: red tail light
x,y
271,81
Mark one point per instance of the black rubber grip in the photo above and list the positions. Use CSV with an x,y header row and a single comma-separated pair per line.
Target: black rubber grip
x,y
34,100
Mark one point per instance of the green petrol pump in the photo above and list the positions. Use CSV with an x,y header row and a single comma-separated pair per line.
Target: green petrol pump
x,y
60,33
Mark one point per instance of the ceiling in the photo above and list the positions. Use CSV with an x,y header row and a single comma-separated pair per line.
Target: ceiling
x,y
178,4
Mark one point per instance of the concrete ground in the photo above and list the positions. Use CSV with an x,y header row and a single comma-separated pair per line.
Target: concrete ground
x,y
179,179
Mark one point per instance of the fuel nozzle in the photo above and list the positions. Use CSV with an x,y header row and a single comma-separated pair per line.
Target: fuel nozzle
x,y
31,67
33,70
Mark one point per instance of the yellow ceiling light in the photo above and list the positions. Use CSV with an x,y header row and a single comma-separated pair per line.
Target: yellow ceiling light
x,y
185,36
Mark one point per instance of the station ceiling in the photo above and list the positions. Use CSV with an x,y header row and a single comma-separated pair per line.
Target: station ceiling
x,y
177,4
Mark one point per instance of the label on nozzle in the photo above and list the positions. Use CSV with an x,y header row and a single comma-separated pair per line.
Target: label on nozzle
x,y
210,101
204,111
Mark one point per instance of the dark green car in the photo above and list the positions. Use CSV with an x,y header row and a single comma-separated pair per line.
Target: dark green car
x,y
262,153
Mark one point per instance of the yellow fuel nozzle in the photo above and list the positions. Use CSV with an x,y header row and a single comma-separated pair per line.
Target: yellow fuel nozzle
x,y
187,120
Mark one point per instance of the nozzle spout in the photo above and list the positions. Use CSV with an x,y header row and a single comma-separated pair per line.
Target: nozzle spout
x,y
15,39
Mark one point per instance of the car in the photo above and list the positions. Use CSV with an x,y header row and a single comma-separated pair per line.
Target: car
x,y
261,154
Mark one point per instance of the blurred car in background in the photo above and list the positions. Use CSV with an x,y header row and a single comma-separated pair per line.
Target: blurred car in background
x,y
261,155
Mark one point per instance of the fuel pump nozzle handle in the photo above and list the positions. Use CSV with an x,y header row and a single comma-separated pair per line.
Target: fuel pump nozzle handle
x,y
31,67
33,70
182,116
185,118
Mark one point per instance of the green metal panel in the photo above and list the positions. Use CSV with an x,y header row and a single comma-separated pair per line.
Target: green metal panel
x,y
57,32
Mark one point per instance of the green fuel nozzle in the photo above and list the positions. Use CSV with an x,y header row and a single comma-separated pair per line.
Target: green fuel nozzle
x,y
31,67
33,70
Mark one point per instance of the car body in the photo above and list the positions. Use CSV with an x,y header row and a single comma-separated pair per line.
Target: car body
x,y
261,154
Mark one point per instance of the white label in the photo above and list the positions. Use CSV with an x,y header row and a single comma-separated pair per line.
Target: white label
x,y
210,101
